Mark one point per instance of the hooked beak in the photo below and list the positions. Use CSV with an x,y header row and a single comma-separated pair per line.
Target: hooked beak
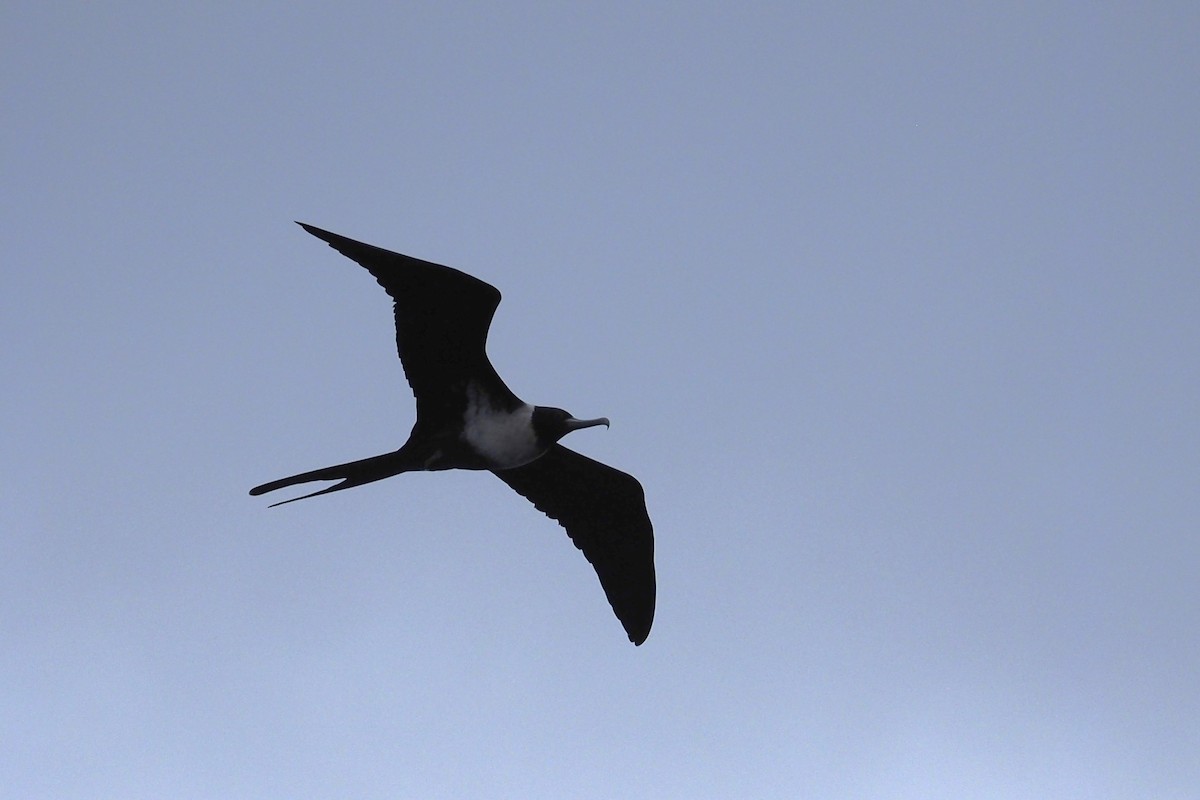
x,y
575,424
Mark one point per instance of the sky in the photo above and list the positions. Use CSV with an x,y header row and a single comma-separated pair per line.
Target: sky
x,y
895,310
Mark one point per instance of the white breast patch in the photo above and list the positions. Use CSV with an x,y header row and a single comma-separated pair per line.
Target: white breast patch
x,y
503,437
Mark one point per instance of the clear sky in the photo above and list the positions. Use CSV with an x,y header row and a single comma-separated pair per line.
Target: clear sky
x,y
895,309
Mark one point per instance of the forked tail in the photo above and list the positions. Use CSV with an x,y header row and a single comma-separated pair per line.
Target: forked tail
x,y
353,473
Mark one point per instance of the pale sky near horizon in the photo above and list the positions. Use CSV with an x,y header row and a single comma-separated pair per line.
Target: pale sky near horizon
x,y
895,310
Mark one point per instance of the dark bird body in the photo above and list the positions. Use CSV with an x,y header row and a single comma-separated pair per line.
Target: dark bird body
x,y
468,419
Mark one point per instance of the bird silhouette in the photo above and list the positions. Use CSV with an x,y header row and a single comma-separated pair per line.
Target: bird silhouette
x,y
467,418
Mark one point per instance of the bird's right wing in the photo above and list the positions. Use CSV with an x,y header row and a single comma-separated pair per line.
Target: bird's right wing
x,y
604,512
442,321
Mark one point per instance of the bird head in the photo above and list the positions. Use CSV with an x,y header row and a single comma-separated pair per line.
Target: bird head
x,y
551,424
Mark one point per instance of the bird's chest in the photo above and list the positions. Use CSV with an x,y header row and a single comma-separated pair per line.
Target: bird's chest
x,y
503,439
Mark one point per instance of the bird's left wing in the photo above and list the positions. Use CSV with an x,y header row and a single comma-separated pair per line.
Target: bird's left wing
x,y
604,512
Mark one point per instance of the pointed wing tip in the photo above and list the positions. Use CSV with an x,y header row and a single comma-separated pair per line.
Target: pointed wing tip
x,y
336,240
638,630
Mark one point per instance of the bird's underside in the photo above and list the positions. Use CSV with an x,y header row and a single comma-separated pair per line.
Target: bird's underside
x,y
467,418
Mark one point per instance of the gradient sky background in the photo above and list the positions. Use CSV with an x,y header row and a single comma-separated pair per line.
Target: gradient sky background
x,y
895,309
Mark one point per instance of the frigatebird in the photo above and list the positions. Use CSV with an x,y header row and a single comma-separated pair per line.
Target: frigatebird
x,y
467,418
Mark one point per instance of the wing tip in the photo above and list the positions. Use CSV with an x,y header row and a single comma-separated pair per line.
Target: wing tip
x,y
314,230
636,617
638,631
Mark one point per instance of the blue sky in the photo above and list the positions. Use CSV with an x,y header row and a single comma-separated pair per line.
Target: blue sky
x,y
895,310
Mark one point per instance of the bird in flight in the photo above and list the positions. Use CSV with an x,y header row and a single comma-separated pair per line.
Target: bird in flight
x,y
468,419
